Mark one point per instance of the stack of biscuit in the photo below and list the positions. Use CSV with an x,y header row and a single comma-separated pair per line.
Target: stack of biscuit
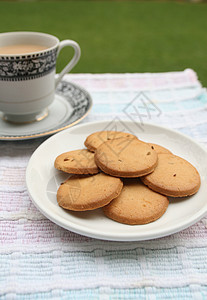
x,y
128,178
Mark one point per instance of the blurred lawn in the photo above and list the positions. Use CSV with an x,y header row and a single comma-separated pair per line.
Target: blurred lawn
x,y
119,36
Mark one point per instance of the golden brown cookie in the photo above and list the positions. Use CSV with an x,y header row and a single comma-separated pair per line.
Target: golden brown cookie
x,y
136,204
80,193
94,140
159,149
126,157
77,162
173,176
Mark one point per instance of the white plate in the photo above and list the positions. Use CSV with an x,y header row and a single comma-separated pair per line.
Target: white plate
x,y
43,180
71,104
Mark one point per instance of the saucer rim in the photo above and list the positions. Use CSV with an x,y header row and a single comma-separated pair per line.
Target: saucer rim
x,y
46,133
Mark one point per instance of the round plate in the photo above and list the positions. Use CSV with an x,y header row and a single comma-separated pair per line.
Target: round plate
x,y
43,181
71,104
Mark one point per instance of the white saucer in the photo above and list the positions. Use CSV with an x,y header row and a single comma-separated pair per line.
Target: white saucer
x,y
71,104
43,181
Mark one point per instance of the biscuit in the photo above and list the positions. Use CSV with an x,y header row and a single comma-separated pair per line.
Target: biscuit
x,y
173,176
136,204
80,193
159,149
126,157
77,162
94,140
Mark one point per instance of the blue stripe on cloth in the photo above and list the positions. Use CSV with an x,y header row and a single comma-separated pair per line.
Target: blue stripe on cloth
x,y
118,102
74,267
184,293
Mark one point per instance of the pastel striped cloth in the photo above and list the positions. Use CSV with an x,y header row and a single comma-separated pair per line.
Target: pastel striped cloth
x,y
39,260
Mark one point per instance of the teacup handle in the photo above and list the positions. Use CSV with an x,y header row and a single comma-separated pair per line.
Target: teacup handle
x,y
73,61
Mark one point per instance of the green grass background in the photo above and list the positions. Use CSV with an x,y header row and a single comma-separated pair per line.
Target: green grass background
x,y
118,36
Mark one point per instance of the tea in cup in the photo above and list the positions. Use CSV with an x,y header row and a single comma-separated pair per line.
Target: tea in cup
x,y
27,73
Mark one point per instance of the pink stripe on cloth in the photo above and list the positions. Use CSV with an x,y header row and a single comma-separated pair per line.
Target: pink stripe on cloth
x,y
35,233
144,81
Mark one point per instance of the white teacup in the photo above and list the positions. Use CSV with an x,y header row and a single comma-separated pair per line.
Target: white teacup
x,y
27,73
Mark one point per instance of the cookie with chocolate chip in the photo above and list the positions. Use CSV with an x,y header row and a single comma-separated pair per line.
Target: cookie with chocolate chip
x,y
88,192
94,140
125,157
77,162
136,204
159,149
173,176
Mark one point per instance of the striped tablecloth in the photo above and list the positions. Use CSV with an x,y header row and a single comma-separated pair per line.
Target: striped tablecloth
x,y
39,260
